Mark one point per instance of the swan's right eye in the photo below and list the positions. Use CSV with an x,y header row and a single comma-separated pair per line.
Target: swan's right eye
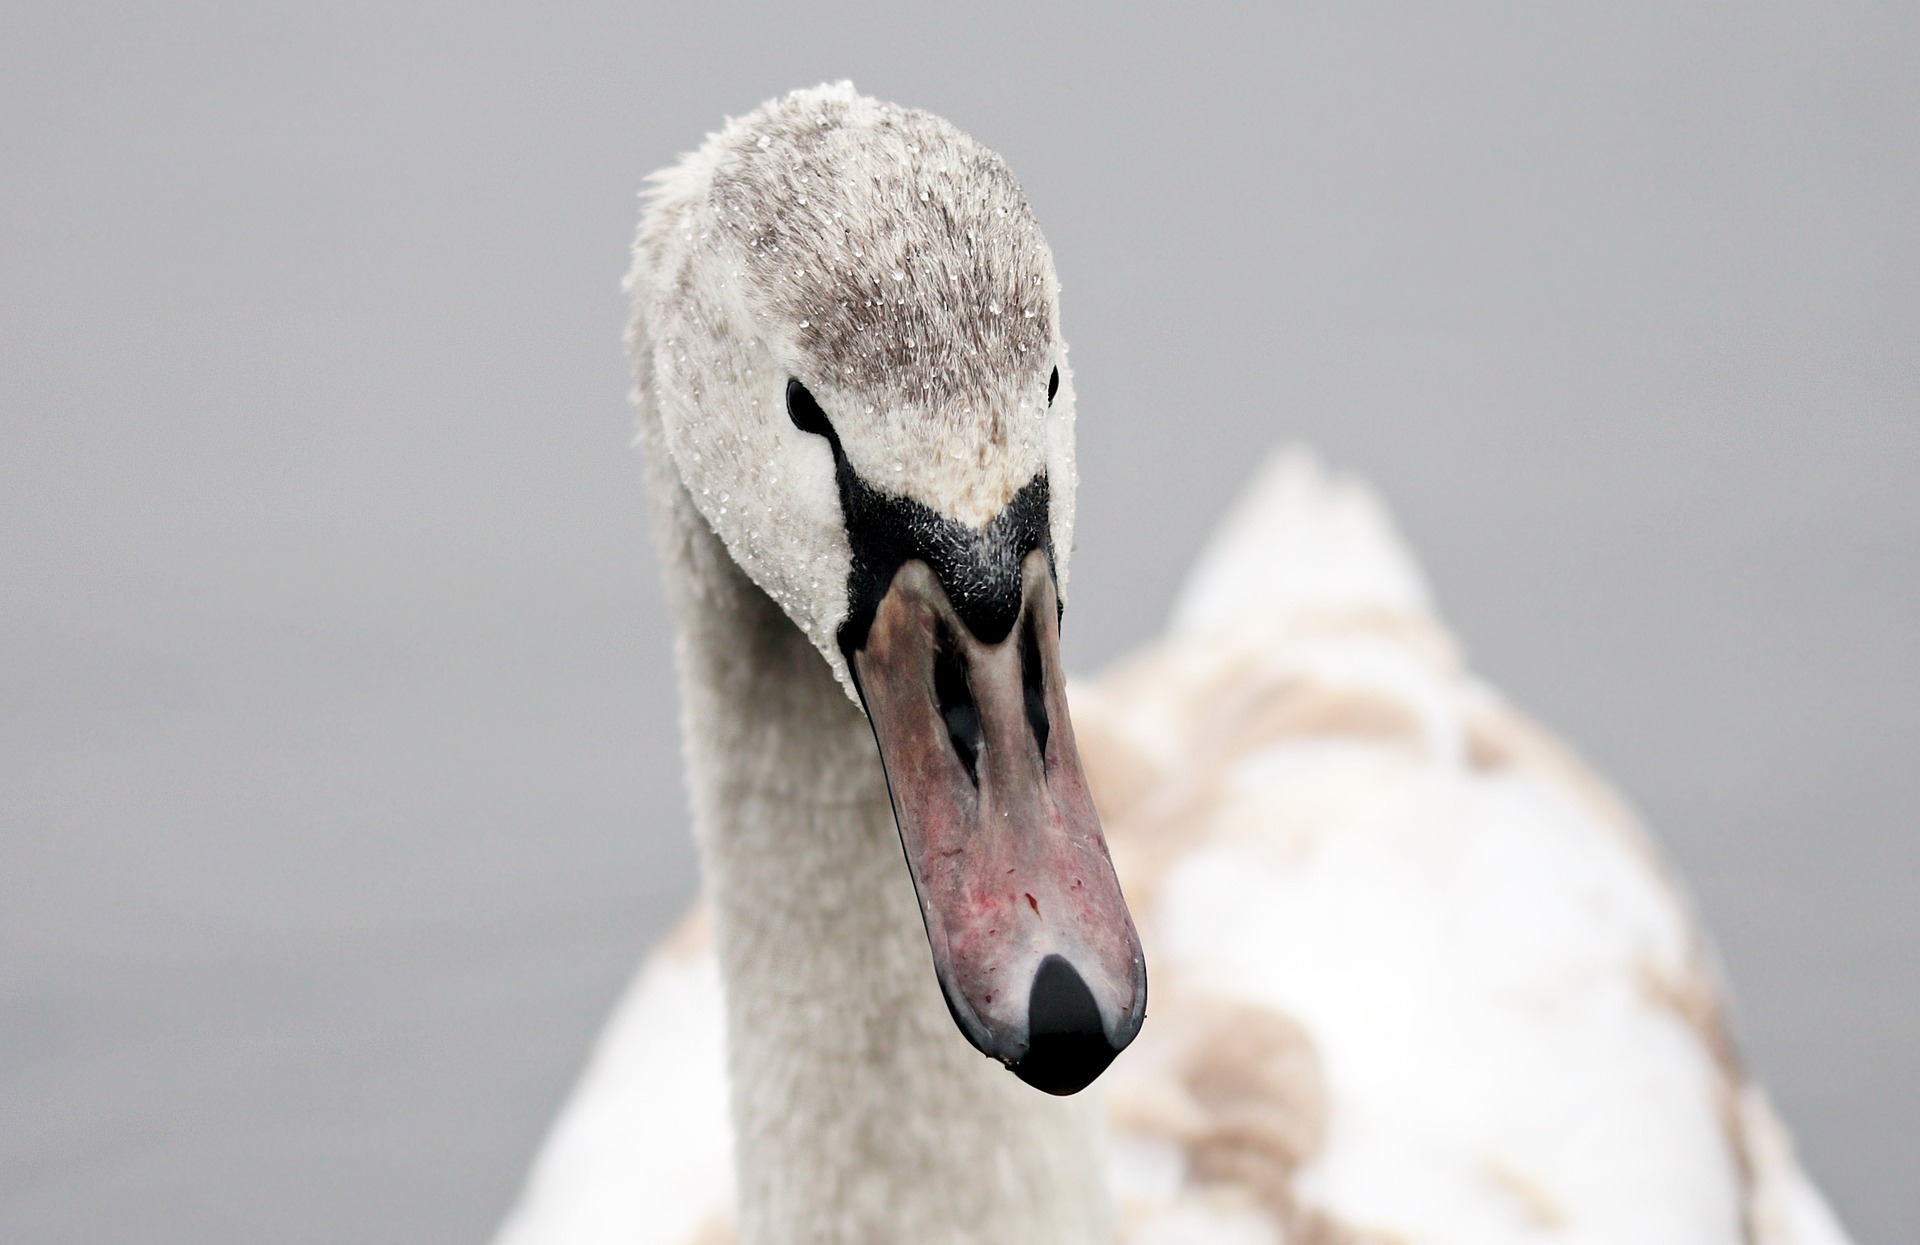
x,y
805,412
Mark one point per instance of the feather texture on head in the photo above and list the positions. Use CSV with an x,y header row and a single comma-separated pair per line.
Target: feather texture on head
x,y
891,265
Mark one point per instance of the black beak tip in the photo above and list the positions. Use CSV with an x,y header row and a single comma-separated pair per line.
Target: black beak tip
x,y
1067,1046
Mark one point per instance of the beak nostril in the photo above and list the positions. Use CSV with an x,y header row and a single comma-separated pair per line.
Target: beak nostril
x,y
954,698
1033,684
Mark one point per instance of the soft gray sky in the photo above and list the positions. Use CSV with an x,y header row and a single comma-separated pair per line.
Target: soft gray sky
x,y
338,773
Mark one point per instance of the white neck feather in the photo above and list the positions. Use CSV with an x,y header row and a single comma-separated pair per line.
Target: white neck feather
x,y
860,1112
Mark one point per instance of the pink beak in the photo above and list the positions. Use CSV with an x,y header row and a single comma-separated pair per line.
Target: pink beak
x,y
1032,942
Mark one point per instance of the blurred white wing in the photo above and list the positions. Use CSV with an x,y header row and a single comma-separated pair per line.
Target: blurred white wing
x,y
1418,975
642,1154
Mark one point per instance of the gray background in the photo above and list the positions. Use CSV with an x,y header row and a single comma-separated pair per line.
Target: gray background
x,y
338,775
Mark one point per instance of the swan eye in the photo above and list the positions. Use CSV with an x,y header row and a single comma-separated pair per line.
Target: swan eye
x,y
1053,385
805,412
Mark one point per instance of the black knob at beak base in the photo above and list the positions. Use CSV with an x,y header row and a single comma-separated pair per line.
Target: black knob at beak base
x,y
1067,1046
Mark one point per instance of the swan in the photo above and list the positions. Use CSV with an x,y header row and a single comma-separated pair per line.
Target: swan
x,y
1418,976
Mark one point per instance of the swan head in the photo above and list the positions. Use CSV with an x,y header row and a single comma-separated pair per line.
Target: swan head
x,y
847,322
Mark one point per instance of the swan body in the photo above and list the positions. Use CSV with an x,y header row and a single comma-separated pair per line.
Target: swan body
x,y
1418,976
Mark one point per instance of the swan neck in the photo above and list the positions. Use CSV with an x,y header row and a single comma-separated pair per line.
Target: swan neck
x,y
860,1113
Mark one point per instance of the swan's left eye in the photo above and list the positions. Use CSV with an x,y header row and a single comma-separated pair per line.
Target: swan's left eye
x,y
1053,385
805,412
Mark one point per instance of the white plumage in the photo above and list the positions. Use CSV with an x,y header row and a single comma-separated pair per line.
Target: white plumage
x,y
1418,977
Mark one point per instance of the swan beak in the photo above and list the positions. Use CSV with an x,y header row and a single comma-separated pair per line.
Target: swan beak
x,y
1032,941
